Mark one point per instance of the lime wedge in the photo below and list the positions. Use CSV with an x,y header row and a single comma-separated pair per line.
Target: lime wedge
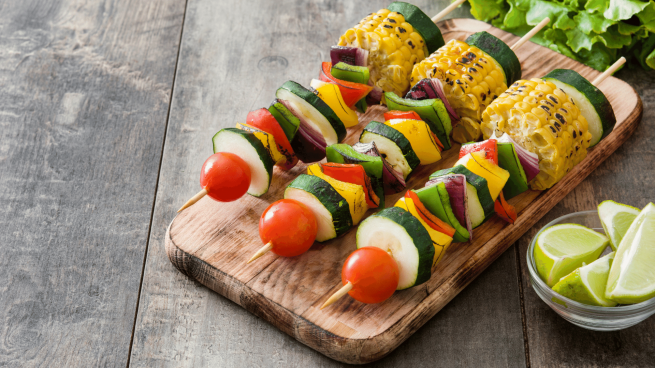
x,y
587,284
632,276
616,219
561,249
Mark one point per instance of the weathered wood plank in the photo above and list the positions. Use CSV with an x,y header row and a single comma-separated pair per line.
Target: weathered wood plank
x,y
181,323
84,93
627,177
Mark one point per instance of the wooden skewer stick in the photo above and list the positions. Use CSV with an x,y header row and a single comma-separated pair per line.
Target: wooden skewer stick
x,y
532,32
194,199
263,250
336,296
608,72
447,10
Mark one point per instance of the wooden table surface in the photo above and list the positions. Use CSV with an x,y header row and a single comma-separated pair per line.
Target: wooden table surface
x,y
107,109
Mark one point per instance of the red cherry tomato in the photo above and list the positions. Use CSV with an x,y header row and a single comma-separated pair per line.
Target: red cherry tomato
x,y
226,176
290,226
373,273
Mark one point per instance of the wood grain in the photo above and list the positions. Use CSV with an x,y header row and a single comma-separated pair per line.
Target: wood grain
x,y
181,322
84,93
211,241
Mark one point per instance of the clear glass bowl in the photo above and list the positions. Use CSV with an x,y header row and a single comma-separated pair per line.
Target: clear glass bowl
x,y
586,316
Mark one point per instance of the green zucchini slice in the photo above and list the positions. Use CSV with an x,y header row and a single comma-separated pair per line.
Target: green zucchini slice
x,y
500,52
593,104
330,208
316,112
422,24
393,146
250,149
404,237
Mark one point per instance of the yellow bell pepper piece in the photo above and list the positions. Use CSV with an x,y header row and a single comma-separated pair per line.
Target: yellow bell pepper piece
x,y
420,137
352,193
440,241
267,140
496,176
331,95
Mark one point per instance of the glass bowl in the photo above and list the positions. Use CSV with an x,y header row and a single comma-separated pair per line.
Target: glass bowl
x,y
586,316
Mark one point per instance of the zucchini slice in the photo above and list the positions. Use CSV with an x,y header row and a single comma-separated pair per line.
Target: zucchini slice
x,y
393,146
330,208
345,154
352,193
480,204
499,52
419,136
509,160
592,103
316,112
421,23
436,199
267,140
433,112
247,146
399,233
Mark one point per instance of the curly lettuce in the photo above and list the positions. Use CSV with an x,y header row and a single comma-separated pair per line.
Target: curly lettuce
x,y
594,32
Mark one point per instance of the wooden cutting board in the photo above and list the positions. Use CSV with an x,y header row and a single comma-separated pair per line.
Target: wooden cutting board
x,y
212,241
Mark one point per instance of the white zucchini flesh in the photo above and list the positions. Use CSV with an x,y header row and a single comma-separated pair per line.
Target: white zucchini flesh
x,y
595,125
312,116
390,151
324,220
387,235
237,144
476,212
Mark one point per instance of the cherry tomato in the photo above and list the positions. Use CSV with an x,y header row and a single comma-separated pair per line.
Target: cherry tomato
x,y
290,226
225,176
373,273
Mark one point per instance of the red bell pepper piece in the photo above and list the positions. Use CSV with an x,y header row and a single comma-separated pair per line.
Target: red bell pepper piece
x,y
350,91
428,217
265,121
354,174
395,114
490,147
505,210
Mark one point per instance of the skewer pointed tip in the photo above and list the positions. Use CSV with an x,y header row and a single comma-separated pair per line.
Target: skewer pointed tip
x,y
263,250
530,34
613,68
340,293
447,10
194,199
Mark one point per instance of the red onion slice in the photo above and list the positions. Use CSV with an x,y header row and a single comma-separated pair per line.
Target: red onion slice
x,y
375,96
393,179
431,88
349,55
529,160
456,188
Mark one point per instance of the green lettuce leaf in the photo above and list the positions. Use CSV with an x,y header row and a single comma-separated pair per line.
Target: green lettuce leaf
x,y
588,22
624,9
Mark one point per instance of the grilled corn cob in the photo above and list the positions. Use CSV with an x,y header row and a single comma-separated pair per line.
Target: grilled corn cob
x,y
471,79
543,119
393,45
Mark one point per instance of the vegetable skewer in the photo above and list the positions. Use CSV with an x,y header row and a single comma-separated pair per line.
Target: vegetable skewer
x,y
482,158
297,113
